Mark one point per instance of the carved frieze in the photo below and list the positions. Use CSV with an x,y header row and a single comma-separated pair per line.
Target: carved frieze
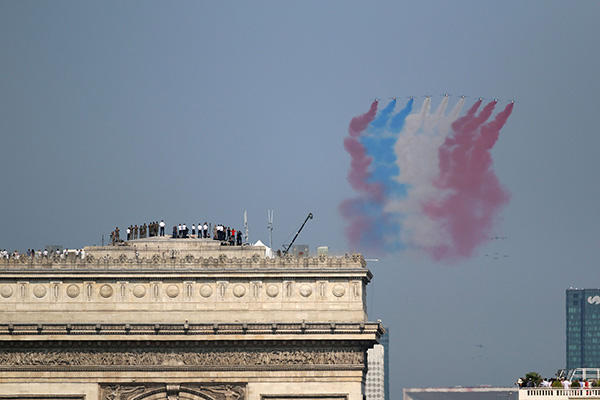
x,y
159,355
191,391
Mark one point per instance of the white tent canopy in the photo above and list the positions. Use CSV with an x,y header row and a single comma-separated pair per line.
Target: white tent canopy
x,y
268,252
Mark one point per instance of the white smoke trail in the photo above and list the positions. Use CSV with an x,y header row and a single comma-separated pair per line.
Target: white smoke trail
x,y
417,157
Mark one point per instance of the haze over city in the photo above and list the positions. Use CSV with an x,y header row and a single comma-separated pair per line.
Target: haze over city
x,y
120,113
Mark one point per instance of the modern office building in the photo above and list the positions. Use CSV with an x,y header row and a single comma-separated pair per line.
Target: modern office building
x,y
385,342
374,384
583,328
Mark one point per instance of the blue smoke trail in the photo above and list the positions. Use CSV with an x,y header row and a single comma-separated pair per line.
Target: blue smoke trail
x,y
380,122
380,147
379,141
397,123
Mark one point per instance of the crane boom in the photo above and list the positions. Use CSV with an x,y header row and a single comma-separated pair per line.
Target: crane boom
x,y
310,216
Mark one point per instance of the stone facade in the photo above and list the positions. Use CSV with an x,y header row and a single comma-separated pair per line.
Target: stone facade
x,y
184,319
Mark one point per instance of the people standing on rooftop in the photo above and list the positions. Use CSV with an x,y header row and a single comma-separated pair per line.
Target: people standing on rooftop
x,y
193,229
162,227
129,232
205,228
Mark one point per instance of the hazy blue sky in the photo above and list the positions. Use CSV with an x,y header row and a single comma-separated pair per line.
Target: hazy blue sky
x,y
116,113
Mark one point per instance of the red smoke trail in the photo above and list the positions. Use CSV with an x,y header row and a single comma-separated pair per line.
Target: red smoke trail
x,y
360,123
359,164
355,210
474,194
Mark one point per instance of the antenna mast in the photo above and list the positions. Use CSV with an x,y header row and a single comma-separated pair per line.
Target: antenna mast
x,y
270,227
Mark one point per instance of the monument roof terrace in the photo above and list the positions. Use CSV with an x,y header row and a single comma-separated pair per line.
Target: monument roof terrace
x,y
167,254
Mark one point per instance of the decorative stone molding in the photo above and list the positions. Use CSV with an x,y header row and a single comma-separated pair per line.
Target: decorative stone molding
x,y
239,290
172,291
338,290
305,290
139,291
189,329
191,391
125,258
73,291
106,291
6,291
39,291
179,355
272,290
206,291
119,291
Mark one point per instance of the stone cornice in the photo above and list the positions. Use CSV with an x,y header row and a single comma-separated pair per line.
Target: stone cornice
x,y
192,331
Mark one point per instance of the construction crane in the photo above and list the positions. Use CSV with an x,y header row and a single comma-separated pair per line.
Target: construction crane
x,y
289,246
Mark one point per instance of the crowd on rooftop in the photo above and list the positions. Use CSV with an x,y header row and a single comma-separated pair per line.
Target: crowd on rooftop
x,y
225,234
40,254
557,383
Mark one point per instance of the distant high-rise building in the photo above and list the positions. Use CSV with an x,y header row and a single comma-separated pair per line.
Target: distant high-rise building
x,y
583,328
385,342
374,386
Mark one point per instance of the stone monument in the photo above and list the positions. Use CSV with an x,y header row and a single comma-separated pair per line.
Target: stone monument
x,y
183,319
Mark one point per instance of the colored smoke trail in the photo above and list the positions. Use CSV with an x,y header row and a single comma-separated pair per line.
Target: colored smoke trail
x,y
424,179
382,119
380,147
473,194
358,211
359,164
397,122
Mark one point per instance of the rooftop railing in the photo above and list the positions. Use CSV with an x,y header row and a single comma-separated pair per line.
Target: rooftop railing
x,y
557,393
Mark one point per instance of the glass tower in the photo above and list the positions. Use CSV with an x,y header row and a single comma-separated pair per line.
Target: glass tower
x,y
583,328
385,342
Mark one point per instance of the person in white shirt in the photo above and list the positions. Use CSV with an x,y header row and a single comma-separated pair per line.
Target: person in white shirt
x,y
566,384
193,229
205,230
162,227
